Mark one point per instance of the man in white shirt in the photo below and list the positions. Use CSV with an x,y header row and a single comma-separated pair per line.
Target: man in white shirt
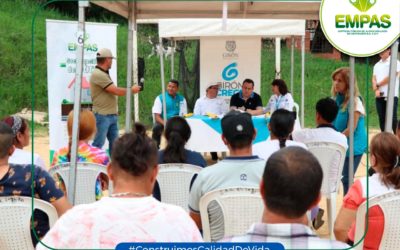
x,y
380,82
211,103
326,112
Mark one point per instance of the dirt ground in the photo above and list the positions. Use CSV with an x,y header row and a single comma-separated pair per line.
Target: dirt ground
x,y
41,142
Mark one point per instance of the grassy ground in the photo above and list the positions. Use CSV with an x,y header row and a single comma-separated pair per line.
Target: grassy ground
x,y
16,71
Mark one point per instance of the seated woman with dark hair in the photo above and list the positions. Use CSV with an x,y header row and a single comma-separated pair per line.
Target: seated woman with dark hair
x,y
130,214
280,126
21,133
177,133
280,99
86,152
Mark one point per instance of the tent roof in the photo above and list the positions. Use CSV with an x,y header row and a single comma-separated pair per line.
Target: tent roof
x,y
308,10
179,28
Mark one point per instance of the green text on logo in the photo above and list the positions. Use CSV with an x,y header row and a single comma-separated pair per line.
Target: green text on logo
x,y
359,21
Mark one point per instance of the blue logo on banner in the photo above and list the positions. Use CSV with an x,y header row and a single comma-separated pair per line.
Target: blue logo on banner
x,y
200,246
230,72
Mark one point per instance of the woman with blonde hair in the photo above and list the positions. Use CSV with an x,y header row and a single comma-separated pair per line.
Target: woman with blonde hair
x,y
384,155
341,94
86,152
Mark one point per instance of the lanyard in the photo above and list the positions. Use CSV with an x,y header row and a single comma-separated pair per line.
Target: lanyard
x,y
278,102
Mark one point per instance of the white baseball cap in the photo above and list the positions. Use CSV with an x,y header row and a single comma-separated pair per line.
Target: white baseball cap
x,y
104,53
213,84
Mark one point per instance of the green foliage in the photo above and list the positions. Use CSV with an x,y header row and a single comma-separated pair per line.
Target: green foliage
x,y
15,64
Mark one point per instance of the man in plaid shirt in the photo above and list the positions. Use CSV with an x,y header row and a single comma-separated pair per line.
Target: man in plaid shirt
x,y
290,187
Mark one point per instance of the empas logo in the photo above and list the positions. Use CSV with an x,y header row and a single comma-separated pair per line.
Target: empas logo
x,y
230,72
360,27
363,5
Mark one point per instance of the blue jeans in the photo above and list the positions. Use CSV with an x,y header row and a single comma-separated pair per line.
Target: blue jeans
x,y
345,172
107,126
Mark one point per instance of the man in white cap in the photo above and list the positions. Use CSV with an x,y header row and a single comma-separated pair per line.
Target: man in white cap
x,y
105,102
211,103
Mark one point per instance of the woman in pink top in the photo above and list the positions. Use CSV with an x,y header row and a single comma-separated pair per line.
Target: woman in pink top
x,y
384,151
130,214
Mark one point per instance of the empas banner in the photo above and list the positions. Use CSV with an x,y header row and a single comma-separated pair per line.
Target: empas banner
x,y
228,61
61,38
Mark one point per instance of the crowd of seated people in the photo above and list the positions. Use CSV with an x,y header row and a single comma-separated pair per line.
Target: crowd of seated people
x,y
289,177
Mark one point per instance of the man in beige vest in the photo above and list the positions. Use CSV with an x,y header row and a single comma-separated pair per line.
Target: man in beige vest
x,y
105,101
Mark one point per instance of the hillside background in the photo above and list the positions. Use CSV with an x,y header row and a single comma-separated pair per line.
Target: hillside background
x,y
24,86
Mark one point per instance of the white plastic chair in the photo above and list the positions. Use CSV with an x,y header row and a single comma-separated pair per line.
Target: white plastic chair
x,y
331,156
297,125
86,177
174,181
240,206
15,220
390,204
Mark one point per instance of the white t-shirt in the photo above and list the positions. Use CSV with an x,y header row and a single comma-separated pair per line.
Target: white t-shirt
x,y
266,148
381,70
105,223
25,157
280,102
216,106
323,134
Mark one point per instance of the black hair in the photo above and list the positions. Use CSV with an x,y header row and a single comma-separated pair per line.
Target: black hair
x,y
177,133
135,153
248,80
175,81
292,181
6,139
281,86
281,125
10,121
100,60
327,108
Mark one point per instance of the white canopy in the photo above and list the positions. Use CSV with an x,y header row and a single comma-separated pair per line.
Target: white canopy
x,y
179,28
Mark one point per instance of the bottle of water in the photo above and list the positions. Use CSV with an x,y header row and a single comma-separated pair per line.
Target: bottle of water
x,y
181,107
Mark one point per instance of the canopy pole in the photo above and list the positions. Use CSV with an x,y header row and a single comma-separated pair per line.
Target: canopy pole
x,y
224,15
292,65
351,121
128,94
135,62
172,58
303,58
161,54
77,101
392,86
277,58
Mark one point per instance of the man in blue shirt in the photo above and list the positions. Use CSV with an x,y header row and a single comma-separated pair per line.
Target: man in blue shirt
x,y
175,105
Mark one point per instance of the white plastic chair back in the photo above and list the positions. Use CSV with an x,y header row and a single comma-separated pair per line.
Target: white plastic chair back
x,y
390,204
241,207
15,220
297,125
174,181
86,177
331,156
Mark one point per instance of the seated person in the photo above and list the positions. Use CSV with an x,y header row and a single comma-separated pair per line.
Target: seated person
x,y
290,186
15,180
246,99
238,134
130,214
211,103
326,112
280,127
86,152
22,136
384,155
281,99
175,105
177,133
